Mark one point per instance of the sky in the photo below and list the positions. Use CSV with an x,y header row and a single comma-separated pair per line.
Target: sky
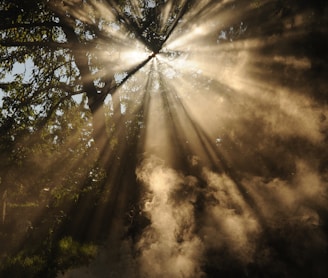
x,y
19,69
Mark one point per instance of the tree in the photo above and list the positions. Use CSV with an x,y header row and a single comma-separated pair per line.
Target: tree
x,y
83,115
70,49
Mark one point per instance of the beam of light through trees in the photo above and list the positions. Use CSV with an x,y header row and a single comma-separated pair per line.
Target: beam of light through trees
x,y
161,138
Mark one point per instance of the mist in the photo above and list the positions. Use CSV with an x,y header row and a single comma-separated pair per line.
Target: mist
x,y
215,160
233,167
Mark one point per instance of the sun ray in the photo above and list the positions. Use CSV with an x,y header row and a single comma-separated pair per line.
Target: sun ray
x,y
204,133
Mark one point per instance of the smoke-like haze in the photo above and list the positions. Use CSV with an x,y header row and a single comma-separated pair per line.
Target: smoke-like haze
x,y
169,247
254,200
190,223
196,222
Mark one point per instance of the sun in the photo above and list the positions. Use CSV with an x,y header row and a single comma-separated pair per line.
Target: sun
x,y
135,56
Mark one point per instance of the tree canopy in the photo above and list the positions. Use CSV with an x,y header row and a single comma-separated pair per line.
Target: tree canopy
x,y
161,138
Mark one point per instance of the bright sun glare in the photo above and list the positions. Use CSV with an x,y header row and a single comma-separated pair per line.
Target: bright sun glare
x,y
209,144
135,56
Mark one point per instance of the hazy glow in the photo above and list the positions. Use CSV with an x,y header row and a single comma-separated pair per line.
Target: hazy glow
x,y
228,146
135,56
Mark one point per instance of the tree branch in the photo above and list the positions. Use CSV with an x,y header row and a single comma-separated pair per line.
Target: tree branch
x,y
5,25
52,45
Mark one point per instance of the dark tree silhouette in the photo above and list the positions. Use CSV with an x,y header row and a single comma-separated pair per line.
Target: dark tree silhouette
x,y
163,138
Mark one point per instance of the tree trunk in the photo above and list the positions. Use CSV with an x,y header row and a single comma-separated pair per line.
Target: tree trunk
x,y
4,206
